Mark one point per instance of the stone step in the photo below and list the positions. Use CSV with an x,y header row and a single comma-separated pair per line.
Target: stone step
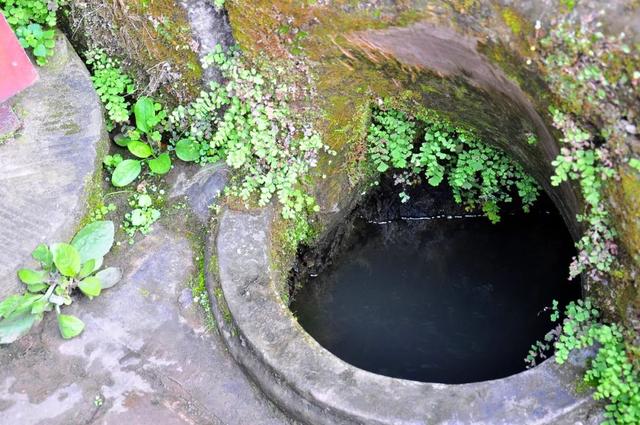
x,y
47,167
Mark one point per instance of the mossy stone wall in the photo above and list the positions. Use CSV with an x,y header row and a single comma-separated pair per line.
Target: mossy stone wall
x,y
465,60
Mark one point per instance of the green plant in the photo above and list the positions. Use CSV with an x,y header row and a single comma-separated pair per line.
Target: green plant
x,y
480,176
141,217
390,140
63,268
596,79
111,161
112,84
144,142
41,41
247,123
101,211
33,22
611,371
532,139
581,161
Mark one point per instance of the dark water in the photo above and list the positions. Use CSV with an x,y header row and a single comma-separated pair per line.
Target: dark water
x,y
447,301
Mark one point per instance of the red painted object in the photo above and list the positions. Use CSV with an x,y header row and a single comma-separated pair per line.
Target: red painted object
x,y
16,71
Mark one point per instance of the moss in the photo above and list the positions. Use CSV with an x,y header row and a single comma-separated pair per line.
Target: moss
x,y
171,41
514,20
351,76
199,288
152,39
629,187
625,198
282,255
94,185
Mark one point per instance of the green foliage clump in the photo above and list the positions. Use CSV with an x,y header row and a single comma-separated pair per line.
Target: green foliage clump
x,y
247,123
112,84
479,175
581,161
33,22
101,211
144,142
612,371
141,217
390,140
64,267
597,81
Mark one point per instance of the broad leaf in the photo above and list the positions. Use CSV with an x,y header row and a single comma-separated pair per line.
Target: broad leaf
x,y
17,326
126,172
66,258
43,255
161,164
9,304
70,326
109,277
25,303
94,241
40,306
121,140
30,277
140,149
90,286
87,268
37,287
187,150
145,113
98,263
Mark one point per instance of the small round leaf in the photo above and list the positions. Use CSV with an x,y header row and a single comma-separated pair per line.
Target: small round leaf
x,y
187,150
70,326
161,164
90,286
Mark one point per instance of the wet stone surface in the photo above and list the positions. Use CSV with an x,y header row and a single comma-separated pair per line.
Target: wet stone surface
x,y
449,300
46,169
145,357
9,122
201,186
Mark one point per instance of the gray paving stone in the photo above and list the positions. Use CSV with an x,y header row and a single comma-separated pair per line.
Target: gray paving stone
x,y
145,352
45,169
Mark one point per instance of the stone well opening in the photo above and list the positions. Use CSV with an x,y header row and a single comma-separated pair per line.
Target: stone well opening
x,y
428,291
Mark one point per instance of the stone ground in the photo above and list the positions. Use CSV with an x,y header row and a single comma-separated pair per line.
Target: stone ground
x,y
145,357
45,168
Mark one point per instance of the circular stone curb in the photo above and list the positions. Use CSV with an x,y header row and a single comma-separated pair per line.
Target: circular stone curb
x,y
315,387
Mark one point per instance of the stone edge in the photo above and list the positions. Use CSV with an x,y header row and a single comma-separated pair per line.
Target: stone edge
x,y
309,401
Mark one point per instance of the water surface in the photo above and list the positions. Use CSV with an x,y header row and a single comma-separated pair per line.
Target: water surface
x,y
443,300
